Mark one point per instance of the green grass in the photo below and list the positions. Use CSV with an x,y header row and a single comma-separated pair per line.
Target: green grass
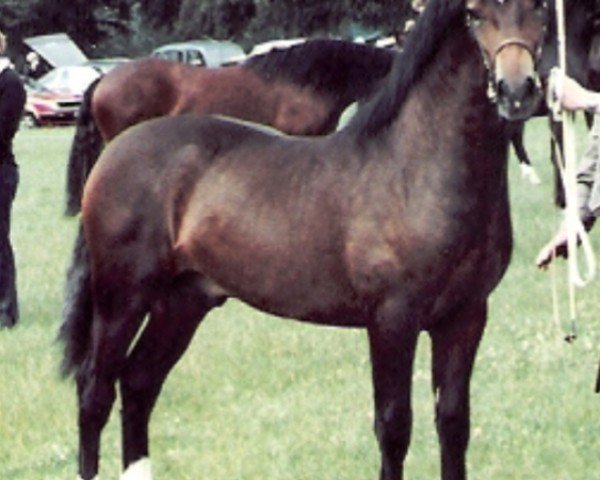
x,y
258,398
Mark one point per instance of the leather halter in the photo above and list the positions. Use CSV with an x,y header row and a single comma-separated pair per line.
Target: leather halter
x,y
490,61
517,42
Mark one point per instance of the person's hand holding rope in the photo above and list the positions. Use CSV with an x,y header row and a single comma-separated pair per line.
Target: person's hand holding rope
x,y
570,96
557,247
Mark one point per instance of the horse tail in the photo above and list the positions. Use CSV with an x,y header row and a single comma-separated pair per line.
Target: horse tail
x,y
75,331
85,150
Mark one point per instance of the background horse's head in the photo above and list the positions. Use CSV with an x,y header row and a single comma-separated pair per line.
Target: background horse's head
x,y
510,34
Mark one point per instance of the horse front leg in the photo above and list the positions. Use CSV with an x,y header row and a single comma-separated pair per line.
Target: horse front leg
x,y
454,346
392,341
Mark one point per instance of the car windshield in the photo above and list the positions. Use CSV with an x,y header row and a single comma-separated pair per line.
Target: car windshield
x,y
34,85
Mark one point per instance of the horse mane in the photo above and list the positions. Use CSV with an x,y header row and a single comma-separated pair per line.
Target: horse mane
x,y
439,20
579,16
329,66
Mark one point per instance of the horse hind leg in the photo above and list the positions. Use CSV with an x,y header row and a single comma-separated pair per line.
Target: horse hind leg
x,y
173,322
454,346
392,340
111,336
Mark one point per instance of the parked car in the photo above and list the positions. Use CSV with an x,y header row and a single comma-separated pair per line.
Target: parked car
x,y
45,107
69,79
56,96
72,70
208,52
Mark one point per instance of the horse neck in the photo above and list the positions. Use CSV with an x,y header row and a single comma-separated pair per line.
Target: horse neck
x,y
363,72
339,70
448,123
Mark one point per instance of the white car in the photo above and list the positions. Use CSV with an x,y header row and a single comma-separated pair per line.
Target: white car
x,y
69,79
206,53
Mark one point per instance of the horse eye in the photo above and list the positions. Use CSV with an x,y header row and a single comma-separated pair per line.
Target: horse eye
x,y
473,17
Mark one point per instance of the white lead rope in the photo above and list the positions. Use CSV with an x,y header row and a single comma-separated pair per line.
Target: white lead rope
x,y
567,169
566,162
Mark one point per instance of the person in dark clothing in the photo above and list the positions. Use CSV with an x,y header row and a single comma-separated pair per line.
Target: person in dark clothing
x,y
12,102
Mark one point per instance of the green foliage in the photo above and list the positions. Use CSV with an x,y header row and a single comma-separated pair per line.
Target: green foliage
x,y
134,27
221,19
160,13
256,397
88,22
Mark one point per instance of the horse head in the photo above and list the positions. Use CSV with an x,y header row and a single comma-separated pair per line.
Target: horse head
x,y
510,34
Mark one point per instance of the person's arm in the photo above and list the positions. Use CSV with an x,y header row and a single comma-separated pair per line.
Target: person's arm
x,y
12,101
573,96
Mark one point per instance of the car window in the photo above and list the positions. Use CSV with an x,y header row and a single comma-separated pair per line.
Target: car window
x,y
170,55
194,57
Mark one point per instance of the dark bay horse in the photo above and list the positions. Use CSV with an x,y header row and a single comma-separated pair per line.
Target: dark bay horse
x,y
301,90
399,223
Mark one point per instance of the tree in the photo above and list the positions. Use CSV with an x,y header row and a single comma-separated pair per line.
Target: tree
x,y
132,27
222,19
388,15
87,22
252,21
160,13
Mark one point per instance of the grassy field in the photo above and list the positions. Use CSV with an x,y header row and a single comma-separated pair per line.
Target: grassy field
x,y
258,398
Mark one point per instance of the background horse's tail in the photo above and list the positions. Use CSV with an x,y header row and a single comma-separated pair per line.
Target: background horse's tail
x,y
85,150
75,331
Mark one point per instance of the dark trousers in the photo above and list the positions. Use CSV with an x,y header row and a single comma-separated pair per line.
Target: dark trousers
x,y
9,308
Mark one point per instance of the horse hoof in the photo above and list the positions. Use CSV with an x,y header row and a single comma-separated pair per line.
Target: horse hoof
x,y
139,470
528,173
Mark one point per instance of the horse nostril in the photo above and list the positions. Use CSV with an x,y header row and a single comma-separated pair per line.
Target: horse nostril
x,y
530,86
502,88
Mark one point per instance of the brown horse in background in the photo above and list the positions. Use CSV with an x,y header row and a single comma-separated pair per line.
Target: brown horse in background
x,y
399,223
301,90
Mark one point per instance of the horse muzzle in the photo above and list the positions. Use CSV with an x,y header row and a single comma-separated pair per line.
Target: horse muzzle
x,y
516,82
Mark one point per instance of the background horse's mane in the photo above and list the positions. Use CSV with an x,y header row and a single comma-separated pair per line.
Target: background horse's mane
x,y
579,15
432,28
324,64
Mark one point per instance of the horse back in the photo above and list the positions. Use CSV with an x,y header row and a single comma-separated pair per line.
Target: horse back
x,y
136,91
